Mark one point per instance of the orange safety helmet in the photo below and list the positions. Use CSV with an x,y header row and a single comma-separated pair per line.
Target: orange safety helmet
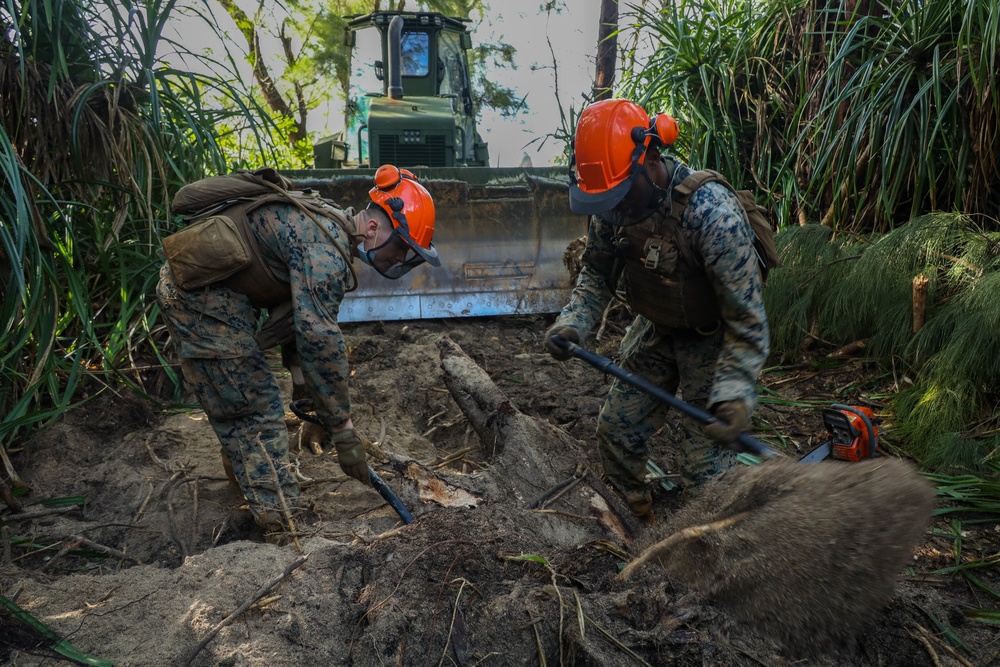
x,y
609,150
411,212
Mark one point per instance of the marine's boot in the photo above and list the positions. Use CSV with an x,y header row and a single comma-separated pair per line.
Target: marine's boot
x,y
641,504
228,467
271,525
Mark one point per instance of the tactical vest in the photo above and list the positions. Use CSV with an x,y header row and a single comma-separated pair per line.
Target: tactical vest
x,y
663,278
231,246
663,275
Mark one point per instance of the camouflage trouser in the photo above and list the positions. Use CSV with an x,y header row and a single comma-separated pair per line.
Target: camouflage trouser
x,y
683,360
213,329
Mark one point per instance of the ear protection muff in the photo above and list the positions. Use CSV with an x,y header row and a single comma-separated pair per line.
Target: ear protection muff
x,y
663,129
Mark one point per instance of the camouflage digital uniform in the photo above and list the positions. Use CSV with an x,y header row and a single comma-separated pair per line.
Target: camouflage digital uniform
x,y
706,366
214,329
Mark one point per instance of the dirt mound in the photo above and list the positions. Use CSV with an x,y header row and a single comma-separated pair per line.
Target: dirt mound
x,y
813,551
513,557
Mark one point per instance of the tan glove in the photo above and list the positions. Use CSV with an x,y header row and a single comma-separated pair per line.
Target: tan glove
x,y
351,455
736,420
564,332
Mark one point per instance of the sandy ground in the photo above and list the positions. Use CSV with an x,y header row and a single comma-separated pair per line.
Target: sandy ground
x,y
159,549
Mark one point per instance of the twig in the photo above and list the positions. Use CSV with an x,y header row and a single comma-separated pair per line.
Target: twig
x,y
951,651
142,505
40,513
9,467
580,616
661,547
281,495
172,520
932,654
430,420
90,544
454,613
8,497
567,514
67,547
156,459
194,511
291,567
564,490
538,642
451,458
614,640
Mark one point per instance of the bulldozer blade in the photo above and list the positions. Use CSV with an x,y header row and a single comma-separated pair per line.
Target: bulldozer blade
x,y
500,232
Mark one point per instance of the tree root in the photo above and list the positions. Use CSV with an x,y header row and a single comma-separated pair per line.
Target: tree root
x,y
663,546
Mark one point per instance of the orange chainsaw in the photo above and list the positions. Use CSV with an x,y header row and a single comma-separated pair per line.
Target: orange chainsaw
x,y
852,433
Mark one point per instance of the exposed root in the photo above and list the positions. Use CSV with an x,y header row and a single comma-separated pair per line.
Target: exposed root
x,y
663,546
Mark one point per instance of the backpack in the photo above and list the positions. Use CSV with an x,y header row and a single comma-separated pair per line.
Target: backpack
x,y
758,216
198,198
218,245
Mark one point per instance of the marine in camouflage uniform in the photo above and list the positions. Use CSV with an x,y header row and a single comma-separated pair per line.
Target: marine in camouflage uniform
x,y
713,362
215,329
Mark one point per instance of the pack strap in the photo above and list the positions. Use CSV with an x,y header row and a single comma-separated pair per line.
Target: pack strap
x,y
308,213
687,187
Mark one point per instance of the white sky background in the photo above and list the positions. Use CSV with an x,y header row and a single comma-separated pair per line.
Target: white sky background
x,y
573,34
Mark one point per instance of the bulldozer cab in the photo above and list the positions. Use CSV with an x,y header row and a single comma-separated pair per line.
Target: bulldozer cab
x,y
411,100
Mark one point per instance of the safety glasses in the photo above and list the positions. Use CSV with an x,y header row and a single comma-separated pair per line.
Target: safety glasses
x,y
400,253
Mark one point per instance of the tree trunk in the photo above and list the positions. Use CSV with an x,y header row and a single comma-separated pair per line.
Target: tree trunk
x,y
531,460
272,95
607,50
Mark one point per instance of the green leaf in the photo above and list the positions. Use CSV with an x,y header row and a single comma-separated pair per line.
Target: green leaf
x,y
58,644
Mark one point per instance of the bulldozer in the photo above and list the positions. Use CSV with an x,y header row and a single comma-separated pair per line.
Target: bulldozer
x,y
501,232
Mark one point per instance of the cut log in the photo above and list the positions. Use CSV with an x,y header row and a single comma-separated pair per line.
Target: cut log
x,y
528,456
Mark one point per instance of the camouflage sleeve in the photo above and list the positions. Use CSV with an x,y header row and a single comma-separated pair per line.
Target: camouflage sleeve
x,y
725,241
591,293
318,278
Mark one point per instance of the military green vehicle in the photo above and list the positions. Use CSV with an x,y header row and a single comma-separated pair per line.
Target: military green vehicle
x,y
501,232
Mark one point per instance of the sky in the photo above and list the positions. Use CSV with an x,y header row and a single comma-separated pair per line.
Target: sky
x,y
574,41
520,23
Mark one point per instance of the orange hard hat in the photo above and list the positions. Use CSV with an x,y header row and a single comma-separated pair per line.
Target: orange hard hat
x,y
609,149
410,209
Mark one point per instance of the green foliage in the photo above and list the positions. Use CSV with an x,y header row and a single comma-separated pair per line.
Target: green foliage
x,y
861,120
848,288
96,133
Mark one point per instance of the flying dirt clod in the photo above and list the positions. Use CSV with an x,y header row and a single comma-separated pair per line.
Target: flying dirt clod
x,y
814,553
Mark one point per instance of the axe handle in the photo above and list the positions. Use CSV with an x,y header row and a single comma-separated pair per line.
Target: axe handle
x,y
604,364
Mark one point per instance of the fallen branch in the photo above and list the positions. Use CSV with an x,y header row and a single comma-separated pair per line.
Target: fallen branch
x,y
660,548
291,567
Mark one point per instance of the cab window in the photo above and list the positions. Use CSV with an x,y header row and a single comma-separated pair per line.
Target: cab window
x,y
415,48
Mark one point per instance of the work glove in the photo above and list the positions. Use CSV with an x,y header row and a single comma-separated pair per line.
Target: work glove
x,y
351,455
736,420
564,332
